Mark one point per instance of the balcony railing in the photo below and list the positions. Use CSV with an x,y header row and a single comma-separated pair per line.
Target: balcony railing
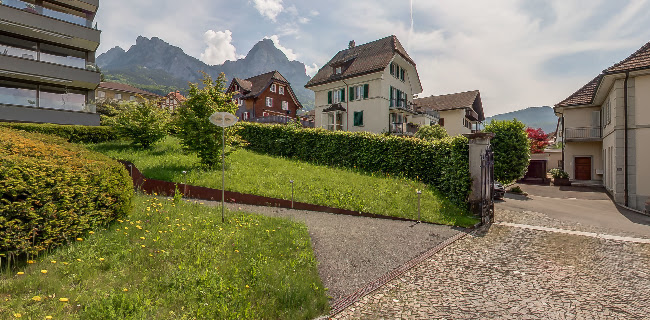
x,y
406,129
282,120
67,17
584,133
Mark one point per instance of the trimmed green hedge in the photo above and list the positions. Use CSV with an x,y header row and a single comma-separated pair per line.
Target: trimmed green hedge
x,y
442,164
59,189
74,134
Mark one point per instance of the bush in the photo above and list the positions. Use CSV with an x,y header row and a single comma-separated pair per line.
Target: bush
x,y
443,164
56,189
144,123
196,132
558,174
433,132
74,134
511,149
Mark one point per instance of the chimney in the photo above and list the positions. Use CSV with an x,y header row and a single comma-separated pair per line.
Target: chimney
x,y
351,45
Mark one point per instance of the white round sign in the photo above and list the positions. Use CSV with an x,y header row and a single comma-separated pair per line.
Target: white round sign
x,y
223,119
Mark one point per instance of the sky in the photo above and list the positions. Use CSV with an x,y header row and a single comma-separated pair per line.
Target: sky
x,y
518,53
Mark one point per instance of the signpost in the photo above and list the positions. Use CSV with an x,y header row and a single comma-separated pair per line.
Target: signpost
x,y
223,120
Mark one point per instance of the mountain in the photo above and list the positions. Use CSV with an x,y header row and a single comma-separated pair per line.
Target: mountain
x,y
534,117
156,64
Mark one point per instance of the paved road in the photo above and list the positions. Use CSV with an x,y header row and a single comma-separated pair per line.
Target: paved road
x,y
573,270
584,206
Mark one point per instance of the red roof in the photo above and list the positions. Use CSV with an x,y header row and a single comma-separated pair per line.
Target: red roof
x,y
461,100
177,95
637,61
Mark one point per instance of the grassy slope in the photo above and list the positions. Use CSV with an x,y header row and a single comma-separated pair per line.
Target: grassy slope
x,y
253,173
174,262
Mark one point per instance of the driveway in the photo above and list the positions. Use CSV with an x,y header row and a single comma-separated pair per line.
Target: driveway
x,y
586,206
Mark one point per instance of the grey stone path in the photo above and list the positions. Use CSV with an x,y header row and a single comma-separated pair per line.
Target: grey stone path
x,y
354,251
517,273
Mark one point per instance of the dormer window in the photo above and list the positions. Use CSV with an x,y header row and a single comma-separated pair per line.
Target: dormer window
x,y
236,88
338,70
273,87
281,90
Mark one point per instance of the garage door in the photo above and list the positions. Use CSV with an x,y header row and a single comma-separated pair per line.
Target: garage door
x,y
583,168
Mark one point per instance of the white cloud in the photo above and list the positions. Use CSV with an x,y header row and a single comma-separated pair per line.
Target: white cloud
x,y
303,20
311,70
269,8
220,47
288,52
313,13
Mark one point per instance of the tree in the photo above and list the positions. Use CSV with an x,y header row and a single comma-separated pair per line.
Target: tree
x,y
143,122
196,132
538,140
511,149
431,132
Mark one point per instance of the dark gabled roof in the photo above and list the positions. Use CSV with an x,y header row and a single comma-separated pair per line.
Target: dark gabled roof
x,y
254,86
246,85
638,60
359,60
584,96
124,88
461,100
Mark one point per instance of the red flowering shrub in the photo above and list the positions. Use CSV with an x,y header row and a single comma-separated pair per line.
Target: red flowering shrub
x,y
538,140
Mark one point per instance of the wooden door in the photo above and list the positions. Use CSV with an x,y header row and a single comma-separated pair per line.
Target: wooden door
x,y
583,168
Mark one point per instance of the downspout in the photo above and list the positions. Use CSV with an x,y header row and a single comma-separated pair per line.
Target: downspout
x,y
347,106
625,179
563,140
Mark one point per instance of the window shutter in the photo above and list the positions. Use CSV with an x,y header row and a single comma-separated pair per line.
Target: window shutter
x,y
366,90
358,118
329,97
392,68
351,94
342,95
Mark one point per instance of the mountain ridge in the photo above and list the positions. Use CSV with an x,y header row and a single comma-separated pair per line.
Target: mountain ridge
x,y
159,63
534,117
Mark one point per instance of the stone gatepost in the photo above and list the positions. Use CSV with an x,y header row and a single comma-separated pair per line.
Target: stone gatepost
x,y
478,144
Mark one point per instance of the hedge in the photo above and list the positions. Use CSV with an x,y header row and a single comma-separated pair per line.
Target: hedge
x,y
442,164
52,191
74,134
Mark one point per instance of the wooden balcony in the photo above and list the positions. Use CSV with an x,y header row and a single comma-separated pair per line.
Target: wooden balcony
x,y
584,134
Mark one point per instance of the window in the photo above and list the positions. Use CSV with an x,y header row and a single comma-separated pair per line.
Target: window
x,y
101,94
392,68
245,115
132,98
269,102
441,122
358,118
273,87
358,93
338,70
402,74
235,87
281,89
118,96
265,114
285,105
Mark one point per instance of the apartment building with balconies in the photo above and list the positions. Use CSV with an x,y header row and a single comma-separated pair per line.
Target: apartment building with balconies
x,y
605,129
47,61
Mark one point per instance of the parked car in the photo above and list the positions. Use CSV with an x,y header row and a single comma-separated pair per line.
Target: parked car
x,y
499,191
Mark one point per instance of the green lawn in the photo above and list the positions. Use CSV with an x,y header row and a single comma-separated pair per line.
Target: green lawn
x,y
171,261
248,172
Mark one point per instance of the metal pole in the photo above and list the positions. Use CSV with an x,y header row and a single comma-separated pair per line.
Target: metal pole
x,y
291,193
184,182
223,169
419,196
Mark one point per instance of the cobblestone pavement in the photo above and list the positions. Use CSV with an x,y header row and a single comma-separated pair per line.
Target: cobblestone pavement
x,y
515,273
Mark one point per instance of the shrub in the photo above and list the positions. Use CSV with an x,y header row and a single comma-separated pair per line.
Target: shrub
x,y
443,164
431,132
516,190
511,149
144,123
196,132
74,134
558,174
109,109
52,191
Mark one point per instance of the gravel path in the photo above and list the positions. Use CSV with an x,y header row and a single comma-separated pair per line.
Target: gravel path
x,y
516,273
353,251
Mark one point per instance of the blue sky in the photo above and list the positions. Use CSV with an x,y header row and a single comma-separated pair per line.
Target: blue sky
x,y
519,53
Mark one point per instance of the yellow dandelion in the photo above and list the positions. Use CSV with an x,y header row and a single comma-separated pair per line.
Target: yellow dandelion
x,y
247,286
142,238
143,246
91,232
80,239
17,315
63,299
53,261
120,220
236,250
79,260
101,259
65,263
30,261
20,273
126,228
48,317
151,255
125,289
36,298
43,271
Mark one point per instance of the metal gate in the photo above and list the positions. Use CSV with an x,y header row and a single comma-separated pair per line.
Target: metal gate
x,y
487,186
